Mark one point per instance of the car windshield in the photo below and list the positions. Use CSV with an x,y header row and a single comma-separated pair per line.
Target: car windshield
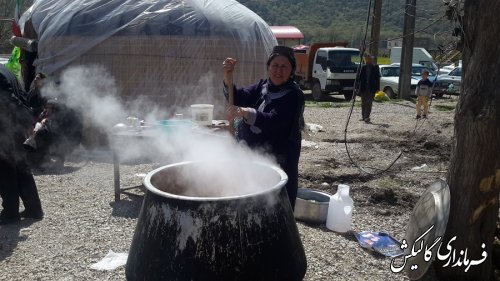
x,y
393,71
344,58
389,71
417,71
456,72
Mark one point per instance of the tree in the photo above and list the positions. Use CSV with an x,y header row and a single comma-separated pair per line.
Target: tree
x,y
474,171
7,12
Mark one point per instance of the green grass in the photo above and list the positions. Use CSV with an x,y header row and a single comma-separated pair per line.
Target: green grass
x,y
385,183
440,107
383,60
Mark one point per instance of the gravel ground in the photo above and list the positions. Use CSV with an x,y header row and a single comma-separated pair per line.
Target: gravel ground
x,y
83,222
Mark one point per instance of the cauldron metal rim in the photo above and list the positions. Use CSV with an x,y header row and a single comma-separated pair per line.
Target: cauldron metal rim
x,y
150,187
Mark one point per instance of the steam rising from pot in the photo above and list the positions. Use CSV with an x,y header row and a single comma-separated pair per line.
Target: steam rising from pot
x,y
93,91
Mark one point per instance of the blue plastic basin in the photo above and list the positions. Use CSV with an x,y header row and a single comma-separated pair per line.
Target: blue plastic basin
x,y
174,125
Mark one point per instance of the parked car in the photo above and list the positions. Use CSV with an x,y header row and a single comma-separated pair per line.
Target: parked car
x,y
448,84
446,69
389,78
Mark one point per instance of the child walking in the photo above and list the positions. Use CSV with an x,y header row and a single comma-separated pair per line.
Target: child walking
x,y
423,93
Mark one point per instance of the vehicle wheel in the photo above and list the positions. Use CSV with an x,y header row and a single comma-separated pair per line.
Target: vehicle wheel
x,y
347,95
316,92
439,94
389,92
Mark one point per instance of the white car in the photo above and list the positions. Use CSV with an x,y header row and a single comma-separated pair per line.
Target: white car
x,y
3,60
389,78
446,69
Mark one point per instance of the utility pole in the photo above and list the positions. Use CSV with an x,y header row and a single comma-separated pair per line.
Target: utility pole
x,y
375,32
404,87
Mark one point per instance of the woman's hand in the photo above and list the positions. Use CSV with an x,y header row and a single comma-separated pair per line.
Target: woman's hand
x,y
233,112
228,66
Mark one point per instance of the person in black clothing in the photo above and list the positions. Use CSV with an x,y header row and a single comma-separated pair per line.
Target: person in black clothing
x,y
57,132
57,128
16,180
272,112
34,98
368,84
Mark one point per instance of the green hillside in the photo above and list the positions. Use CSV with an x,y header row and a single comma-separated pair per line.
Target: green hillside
x,y
322,20
329,20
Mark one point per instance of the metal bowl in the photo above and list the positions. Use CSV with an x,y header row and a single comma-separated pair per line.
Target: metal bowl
x,y
311,206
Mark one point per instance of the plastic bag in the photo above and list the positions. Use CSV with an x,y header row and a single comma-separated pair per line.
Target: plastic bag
x,y
451,88
13,64
111,261
381,96
379,242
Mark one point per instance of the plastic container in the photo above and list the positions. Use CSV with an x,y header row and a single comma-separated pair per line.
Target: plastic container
x,y
340,209
170,126
133,122
202,114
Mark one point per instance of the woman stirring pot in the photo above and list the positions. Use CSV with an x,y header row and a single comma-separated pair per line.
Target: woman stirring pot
x,y
272,113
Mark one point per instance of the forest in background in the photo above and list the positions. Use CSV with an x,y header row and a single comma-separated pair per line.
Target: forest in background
x,y
319,20
335,20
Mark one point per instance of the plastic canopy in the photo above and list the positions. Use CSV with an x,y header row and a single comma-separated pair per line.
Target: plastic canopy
x,y
150,45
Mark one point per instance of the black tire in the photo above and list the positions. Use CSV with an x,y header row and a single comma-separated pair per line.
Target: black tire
x,y
439,94
347,95
316,91
389,92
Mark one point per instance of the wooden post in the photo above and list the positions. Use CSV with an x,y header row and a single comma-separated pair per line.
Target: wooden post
x,y
404,86
375,32
230,91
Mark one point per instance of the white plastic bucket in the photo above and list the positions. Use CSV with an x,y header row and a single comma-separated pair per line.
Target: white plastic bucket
x,y
202,114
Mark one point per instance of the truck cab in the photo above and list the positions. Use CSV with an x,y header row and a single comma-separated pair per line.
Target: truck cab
x,y
329,70
335,68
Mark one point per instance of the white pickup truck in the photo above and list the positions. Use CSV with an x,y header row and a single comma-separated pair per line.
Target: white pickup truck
x,y
327,68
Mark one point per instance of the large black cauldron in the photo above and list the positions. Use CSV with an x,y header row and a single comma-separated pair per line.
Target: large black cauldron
x,y
181,236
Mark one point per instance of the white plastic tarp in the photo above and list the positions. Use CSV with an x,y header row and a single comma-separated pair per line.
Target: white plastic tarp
x,y
151,45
